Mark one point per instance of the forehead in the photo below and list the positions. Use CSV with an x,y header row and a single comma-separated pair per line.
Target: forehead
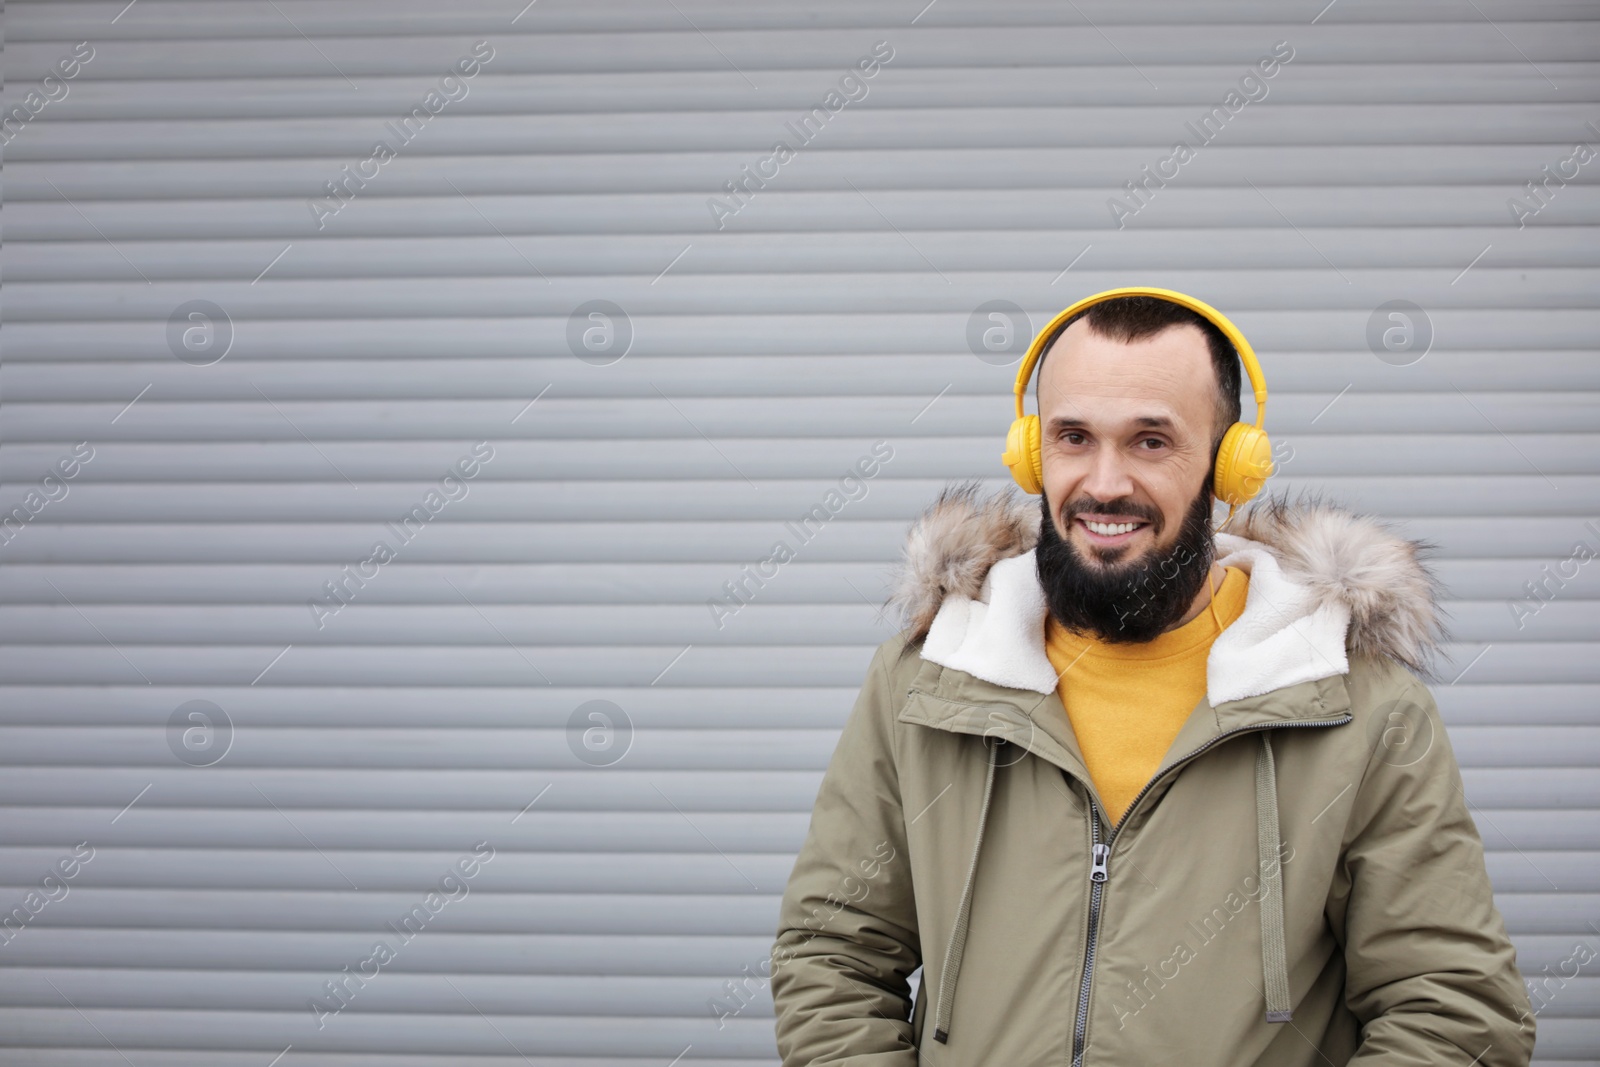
x,y
1091,378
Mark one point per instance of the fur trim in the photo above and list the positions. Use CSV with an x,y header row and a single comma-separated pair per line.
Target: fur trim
x,y
1341,555
952,545
1393,595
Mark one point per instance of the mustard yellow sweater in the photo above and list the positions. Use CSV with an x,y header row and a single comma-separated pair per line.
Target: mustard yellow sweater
x,y
1127,702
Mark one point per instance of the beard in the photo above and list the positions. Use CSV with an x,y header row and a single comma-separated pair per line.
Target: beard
x,y
1125,601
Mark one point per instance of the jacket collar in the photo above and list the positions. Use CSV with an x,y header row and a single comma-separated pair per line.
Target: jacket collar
x,y
960,702
1324,582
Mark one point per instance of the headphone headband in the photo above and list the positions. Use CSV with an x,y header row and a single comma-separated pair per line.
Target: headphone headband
x,y
1247,354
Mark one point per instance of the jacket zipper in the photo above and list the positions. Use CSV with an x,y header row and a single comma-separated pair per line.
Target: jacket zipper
x,y
1099,874
1100,868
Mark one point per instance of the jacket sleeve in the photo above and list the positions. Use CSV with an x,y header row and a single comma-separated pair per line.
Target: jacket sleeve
x,y
1430,971
847,933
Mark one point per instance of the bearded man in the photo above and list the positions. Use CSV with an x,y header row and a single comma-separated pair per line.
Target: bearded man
x,y
1129,790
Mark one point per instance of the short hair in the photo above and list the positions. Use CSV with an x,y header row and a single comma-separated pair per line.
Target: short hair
x,y
1130,318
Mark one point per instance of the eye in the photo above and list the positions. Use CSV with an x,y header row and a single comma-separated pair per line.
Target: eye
x,y
1067,436
1158,442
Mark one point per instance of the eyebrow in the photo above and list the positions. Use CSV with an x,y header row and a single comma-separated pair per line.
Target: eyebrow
x,y
1161,422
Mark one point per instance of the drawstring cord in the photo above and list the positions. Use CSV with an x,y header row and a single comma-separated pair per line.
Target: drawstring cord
x,y
958,935
1274,954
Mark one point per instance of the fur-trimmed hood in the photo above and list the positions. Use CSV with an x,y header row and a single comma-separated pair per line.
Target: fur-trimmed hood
x,y
1317,568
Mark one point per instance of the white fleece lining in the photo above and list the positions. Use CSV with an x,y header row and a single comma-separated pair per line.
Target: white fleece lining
x,y
1279,639
1000,637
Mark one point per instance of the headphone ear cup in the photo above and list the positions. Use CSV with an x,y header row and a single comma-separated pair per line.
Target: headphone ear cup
x,y
1244,463
1022,455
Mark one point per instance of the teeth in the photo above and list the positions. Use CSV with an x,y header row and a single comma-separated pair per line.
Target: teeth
x,y
1112,529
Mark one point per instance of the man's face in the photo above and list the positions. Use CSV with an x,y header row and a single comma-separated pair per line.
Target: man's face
x,y
1126,442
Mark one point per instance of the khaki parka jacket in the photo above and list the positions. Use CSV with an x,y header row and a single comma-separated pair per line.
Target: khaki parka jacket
x,y
1301,883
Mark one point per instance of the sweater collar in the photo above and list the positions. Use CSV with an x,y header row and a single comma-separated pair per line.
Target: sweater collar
x,y
1063,646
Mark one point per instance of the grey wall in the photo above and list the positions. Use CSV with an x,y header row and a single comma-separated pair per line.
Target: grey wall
x,y
347,356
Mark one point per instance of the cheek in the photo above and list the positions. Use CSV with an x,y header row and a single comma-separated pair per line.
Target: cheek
x,y
1060,486
1062,471
1054,493
1173,499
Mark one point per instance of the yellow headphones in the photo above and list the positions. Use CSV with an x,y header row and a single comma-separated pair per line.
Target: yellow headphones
x,y
1244,460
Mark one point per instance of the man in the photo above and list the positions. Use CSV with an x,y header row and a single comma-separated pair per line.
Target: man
x,y
1131,792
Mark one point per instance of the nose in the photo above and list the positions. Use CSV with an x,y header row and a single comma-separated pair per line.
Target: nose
x,y
1108,477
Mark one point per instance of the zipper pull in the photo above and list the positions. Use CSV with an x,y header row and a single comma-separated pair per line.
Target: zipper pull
x,y
1102,864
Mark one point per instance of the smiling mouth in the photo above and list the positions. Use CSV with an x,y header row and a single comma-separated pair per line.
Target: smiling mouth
x,y
1110,533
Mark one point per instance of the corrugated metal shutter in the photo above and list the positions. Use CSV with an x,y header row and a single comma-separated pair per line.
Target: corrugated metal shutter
x,y
239,463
